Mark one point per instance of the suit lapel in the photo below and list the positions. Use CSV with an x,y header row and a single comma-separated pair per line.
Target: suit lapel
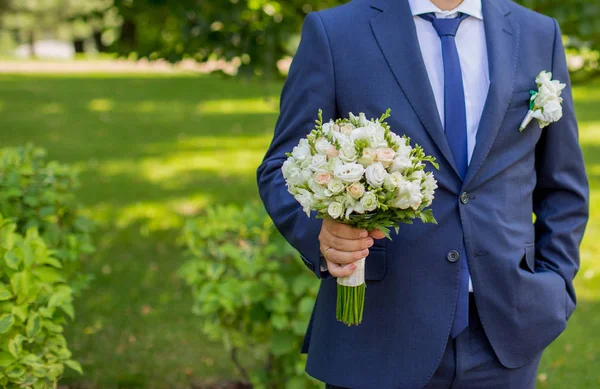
x,y
502,45
395,31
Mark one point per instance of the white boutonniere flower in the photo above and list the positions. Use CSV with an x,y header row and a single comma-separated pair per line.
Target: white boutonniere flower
x,y
545,104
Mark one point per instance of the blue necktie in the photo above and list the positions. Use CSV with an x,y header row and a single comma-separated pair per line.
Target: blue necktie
x,y
455,124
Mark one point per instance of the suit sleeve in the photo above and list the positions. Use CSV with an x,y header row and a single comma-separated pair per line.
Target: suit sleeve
x,y
310,86
561,197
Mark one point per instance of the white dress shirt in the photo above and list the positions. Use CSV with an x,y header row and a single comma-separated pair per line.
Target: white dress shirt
x,y
472,51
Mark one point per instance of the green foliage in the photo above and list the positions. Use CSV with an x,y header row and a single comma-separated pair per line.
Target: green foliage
x,y
580,22
256,33
35,304
38,194
252,291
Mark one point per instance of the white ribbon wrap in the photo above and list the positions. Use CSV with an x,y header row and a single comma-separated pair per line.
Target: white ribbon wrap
x,y
357,278
526,121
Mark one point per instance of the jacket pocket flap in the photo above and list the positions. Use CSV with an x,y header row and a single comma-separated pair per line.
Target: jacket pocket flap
x,y
528,261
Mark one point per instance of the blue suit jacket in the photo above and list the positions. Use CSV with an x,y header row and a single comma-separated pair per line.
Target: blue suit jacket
x,y
364,57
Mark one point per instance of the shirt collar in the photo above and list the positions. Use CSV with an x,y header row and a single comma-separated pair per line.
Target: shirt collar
x,y
469,7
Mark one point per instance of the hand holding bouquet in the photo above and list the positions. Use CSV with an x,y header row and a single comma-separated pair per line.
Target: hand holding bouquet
x,y
358,172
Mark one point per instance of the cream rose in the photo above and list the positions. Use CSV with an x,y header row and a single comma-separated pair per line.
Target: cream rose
x,y
368,157
322,177
332,151
356,190
385,155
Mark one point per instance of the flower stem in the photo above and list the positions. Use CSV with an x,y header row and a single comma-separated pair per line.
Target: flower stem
x,y
350,304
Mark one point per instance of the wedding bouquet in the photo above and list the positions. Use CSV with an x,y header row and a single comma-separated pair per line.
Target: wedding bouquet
x,y
358,172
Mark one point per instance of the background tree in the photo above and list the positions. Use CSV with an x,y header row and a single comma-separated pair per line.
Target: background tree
x,y
257,33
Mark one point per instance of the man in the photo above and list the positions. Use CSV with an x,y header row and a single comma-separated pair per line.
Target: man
x,y
472,302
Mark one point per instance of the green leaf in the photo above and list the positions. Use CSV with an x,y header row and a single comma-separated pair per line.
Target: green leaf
x,y
33,325
51,261
20,311
6,322
15,372
48,274
283,342
69,310
6,359
14,346
5,293
74,365
11,260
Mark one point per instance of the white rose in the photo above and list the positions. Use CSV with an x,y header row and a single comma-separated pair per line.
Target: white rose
x,y
369,201
385,155
356,190
322,145
408,195
348,152
335,210
301,153
363,133
376,174
336,186
306,200
318,161
351,172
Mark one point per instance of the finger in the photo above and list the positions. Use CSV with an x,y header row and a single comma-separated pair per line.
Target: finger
x,y
346,232
344,258
376,234
340,271
340,244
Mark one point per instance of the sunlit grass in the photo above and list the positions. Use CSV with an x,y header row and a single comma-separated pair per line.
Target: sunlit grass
x,y
236,106
154,150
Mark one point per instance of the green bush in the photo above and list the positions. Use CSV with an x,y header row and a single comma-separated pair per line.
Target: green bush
x,y
39,194
253,292
35,303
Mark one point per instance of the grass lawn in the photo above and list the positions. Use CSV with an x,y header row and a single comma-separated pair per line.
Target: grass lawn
x,y
156,149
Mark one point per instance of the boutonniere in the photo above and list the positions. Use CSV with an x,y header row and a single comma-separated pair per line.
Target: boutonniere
x,y
545,104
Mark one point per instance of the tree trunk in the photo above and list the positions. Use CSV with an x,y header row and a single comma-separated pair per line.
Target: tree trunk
x,y
78,45
129,35
31,42
98,40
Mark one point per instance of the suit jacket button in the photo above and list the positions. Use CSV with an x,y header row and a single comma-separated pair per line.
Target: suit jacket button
x,y
453,256
464,198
